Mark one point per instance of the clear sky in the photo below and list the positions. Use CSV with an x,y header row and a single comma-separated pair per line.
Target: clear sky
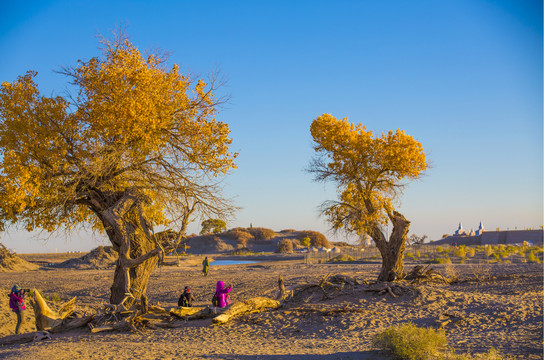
x,y
464,77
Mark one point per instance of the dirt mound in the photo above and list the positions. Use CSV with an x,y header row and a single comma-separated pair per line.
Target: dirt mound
x,y
9,261
103,257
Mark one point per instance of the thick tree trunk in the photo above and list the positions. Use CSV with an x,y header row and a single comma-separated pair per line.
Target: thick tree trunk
x,y
129,234
392,251
138,276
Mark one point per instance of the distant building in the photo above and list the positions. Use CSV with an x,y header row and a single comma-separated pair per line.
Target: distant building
x,y
481,237
460,231
480,230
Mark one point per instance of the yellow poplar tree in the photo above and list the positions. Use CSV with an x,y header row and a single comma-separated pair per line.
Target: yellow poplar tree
x,y
369,171
137,146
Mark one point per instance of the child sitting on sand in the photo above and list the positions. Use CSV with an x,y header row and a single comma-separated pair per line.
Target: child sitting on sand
x,y
186,299
16,303
222,294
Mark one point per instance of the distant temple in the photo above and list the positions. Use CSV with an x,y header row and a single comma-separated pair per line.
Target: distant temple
x,y
484,237
480,229
462,232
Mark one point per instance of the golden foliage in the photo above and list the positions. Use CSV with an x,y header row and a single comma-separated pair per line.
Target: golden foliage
x,y
368,169
134,124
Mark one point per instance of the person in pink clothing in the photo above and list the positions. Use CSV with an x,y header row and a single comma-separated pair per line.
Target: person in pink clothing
x,y
222,294
17,305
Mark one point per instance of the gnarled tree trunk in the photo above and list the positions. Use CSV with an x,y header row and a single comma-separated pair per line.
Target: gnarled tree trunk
x,y
130,235
392,251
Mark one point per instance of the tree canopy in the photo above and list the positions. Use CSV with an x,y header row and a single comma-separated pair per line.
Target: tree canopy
x,y
369,172
134,124
137,146
214,225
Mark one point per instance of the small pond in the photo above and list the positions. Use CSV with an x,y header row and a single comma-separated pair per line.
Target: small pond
x,y
232,262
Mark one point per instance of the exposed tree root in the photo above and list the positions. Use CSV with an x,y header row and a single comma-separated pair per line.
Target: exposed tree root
x,y
420,274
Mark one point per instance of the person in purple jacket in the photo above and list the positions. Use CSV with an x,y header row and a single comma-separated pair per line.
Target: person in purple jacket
x,y
222,294
16,303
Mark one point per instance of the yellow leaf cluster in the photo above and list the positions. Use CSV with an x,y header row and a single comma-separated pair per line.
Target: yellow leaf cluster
x,y
369,169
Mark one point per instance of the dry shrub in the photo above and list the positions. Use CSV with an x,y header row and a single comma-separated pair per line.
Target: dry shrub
x,y
262,233
413,343
240,235
342,258
410,342
287,231
317,238
285,246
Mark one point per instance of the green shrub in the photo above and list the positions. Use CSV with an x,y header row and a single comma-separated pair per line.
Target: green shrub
x,y
439,249
306,241
342,258
488,251
460,251
412,343
532,258
471,252
445,260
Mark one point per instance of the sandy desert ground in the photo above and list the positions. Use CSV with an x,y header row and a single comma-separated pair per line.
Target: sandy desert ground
x,y
494,305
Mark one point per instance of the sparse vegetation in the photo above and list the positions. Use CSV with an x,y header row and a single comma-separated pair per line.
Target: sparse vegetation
x,y
306,241
342,258
285,246
532,258
409,342
317,238
261,233
412,343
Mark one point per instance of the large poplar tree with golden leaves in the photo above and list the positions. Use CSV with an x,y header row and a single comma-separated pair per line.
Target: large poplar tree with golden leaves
x,y
138,146
369,172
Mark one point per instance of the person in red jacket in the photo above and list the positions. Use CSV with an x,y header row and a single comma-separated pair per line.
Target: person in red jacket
x,y
16,303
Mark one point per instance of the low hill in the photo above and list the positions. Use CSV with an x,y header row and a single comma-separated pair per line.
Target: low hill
x,y
254,240
103,257
9,261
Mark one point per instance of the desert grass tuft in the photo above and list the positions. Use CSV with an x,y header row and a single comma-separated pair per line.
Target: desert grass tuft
x,y
411,342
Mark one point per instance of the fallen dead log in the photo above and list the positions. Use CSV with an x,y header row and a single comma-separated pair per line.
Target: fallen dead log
x,y
253,305
25,338
70,324
45,317
183,312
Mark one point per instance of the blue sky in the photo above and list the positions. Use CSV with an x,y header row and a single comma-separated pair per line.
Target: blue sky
x,y
462,77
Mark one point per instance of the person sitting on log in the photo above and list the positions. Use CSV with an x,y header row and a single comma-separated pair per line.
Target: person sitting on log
x,y
17,305
222,294
186,299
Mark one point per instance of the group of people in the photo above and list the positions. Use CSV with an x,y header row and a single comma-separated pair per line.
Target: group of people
x,y
221,297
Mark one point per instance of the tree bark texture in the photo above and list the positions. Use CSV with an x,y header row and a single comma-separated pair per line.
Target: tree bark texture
x,y
392,251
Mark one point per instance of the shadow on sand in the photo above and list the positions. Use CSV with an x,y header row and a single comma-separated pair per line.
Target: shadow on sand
x,y
361,355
